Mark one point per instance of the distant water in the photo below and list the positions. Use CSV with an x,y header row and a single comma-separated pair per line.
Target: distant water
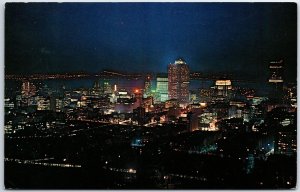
x,y
261,88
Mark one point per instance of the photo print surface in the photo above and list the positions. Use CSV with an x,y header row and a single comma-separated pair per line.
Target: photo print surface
x,y
150,95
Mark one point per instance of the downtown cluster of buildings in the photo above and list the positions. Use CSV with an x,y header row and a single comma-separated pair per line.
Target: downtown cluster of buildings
x,y
167,99
224,119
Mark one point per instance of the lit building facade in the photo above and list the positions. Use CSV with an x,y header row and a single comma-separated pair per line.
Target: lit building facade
x,y
43,103
28,89
147,86
286,141
125,102
276,71
107,87
178,81
59,104
205,95
138,96
223,88
290,95
207,121
162,87
276,80
96,88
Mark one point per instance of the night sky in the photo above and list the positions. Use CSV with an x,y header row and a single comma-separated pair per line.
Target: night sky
x,y
212,37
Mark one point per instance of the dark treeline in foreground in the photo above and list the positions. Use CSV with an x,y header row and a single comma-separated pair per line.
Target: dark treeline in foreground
x,y
143,158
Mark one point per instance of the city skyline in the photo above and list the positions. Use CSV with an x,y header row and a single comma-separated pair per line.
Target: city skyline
x,y
148,36
150,96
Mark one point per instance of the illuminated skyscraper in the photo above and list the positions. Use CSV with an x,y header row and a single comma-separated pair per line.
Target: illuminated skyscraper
x,y
276,71
178,81
162,87
276,80
28,89
43,103
286,141
96,88
107,87
138,96
147,88
223,88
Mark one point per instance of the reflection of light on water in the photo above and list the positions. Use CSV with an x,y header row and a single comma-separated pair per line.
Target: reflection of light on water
x,y
88,83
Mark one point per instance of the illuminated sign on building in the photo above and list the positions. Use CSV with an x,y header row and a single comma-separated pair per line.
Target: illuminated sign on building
x,y
223,82
123,93
275,81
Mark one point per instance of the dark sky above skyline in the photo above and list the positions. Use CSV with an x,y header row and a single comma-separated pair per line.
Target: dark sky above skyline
x,y
219,37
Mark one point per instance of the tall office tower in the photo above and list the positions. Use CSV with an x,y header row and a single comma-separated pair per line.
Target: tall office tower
x,y
286,140
276,80
96,84
59,104
43,103
138,96
162,86
223,88
147,88
96,88
107,87
28,89
178,81
206,95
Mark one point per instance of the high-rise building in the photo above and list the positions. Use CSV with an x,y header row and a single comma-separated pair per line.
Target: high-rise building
x,y
276,71
276,80
205,95
107,87
223,88
59,104
286,140
96,85
43,103
178,81
96,88
28,89
162,86
138,96
290,94
147,86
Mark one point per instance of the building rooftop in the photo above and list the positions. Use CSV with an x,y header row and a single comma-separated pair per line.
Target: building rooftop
x,y
180,61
